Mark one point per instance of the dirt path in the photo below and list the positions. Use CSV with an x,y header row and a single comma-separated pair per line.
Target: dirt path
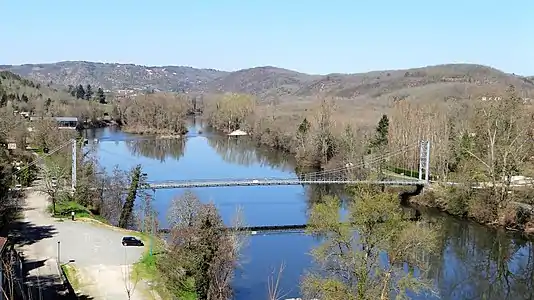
x,y
96,252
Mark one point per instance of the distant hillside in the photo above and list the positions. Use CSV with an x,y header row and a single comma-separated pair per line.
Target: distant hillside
x,y
21,91
23,94
433,82
117,76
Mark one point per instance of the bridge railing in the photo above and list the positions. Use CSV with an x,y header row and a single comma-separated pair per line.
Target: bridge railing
x,y
260,180
207,180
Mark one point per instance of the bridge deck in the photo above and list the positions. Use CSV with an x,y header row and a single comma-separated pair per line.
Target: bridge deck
x,y
255,182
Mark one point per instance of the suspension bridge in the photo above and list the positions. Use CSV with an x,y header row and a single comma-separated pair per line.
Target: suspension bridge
x,y
350,173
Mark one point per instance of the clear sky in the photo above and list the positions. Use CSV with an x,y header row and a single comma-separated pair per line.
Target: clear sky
x,y
305,35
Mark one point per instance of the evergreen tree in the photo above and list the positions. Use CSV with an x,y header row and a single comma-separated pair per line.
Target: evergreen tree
x,y
80,92
88,92
101,96
3,100
24,98
304,127
382,132
127,208
380,142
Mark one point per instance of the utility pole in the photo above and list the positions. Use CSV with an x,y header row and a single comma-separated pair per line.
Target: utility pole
x,y
73,177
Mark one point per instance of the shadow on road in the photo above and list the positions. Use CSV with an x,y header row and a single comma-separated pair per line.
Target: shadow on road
x,y
45,287
41,287
31,265
26,233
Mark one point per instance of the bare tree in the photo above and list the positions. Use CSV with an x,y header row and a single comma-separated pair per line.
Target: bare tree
x,y
323,136
229,256
502,136
130,279
184,210
273,284
229,112
200,247
54,177
113,194
159,113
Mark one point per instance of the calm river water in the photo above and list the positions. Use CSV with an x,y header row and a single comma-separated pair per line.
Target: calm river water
x,y
474,263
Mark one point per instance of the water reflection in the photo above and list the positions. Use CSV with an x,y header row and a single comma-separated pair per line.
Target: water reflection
x,y
244,151
160,149
481,263
474,262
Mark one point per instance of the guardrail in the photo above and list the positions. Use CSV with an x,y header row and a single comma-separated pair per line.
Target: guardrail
x,y
71,293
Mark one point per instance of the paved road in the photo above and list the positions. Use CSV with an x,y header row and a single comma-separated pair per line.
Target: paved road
x,y
96,250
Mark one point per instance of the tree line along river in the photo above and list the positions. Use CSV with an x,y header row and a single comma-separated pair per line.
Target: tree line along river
x,y
474,262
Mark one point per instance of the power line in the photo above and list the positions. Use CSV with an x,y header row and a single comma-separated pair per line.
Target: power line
x,y
41,158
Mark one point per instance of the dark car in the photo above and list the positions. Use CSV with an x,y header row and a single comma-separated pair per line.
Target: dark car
x,y
131,241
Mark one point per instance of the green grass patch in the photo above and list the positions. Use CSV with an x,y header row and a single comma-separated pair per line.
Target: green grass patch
x,y
406,172
72,275
188,290
65,208
146,269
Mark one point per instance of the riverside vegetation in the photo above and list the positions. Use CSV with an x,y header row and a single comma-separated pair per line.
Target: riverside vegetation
x,y
200,268
473,141
18,165
480,141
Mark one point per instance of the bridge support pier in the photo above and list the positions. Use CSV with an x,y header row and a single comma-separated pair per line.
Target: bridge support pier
x,y
424,161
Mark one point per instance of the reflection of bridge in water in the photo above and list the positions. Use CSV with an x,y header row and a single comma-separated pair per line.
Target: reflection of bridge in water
x,y
272,229
347,174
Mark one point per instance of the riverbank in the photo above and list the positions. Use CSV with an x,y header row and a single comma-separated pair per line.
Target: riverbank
x,y
470,205
158,133
515,216
217,156
97,124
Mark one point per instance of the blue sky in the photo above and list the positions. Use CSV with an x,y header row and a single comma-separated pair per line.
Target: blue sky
x,y
310,36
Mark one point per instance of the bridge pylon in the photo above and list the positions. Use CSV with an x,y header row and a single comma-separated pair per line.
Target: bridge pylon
x,y
424,161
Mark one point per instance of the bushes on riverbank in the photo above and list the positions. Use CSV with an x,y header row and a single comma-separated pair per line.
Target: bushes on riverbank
x,y
472,142
477,205
201,256
310,137
154,113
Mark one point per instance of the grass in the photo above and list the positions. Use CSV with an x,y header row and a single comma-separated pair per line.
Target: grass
x,y
65,208
72,275
146,269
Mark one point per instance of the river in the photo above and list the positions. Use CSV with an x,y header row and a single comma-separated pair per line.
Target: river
x,y
475,262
